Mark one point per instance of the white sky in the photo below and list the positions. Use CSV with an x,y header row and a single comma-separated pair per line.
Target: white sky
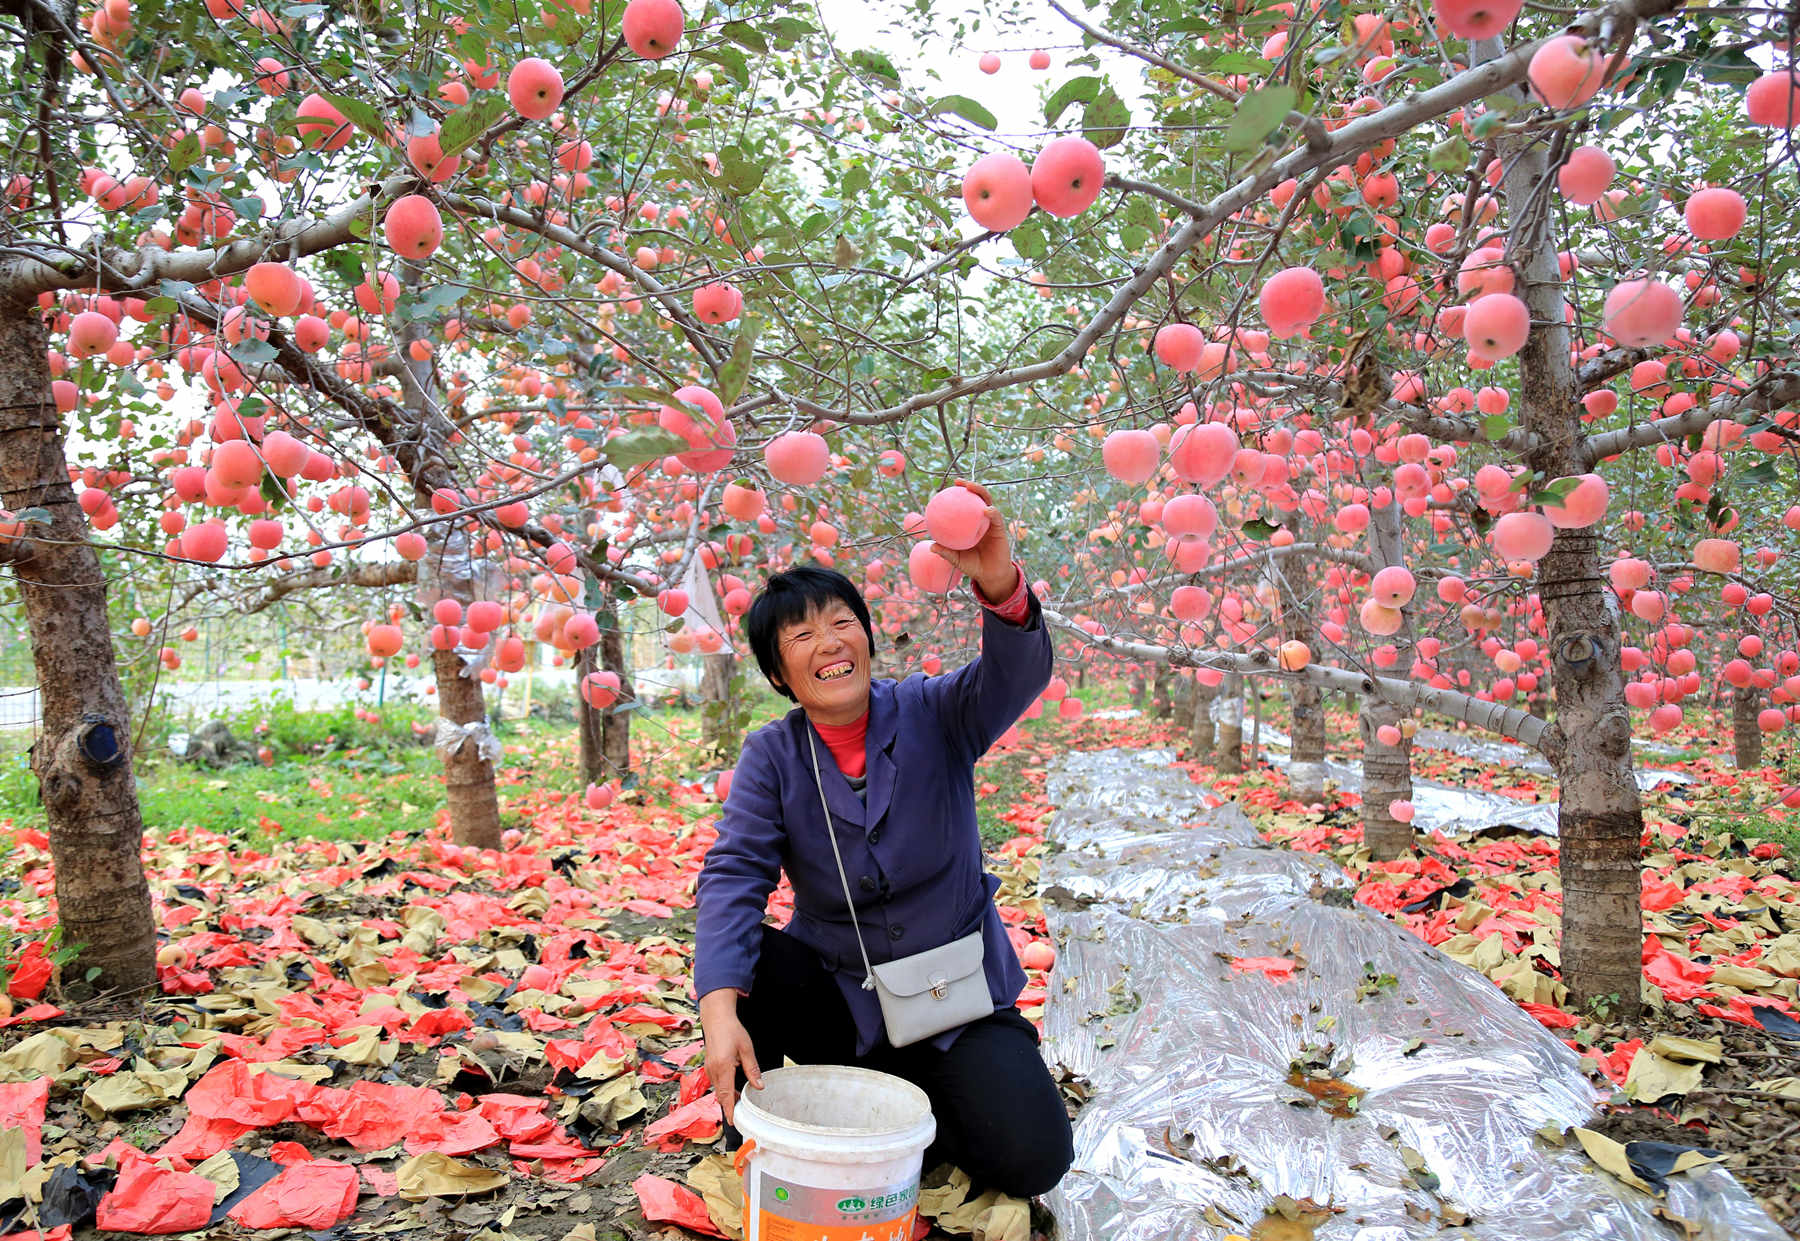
x,y
1014,95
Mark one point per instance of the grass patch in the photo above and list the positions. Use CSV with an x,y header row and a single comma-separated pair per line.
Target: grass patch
x,y
1005,770
1752,824
353,795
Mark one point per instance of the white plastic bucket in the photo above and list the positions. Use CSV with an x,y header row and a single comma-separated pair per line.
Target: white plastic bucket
x,y
832,1153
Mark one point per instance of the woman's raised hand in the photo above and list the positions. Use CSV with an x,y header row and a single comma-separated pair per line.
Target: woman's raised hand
x,y
988,564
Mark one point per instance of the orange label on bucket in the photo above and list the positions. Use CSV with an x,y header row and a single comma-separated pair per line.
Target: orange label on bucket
x,y
789,1212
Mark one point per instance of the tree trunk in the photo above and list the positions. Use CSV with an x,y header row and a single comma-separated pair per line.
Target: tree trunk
x,y
1386,778
468,750
615,725
1228,714
719,734
589,722
1162,703
1306,753
1746,737
1600,814
468,773
1200,735
1306,743
1387,769
82,755
1256,713
1139,685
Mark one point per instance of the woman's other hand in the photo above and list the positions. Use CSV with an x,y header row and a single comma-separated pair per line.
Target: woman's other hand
x,y
727,1046
988,564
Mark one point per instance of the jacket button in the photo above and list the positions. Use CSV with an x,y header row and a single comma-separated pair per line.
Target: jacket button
x,y
895,932
868,883
875,836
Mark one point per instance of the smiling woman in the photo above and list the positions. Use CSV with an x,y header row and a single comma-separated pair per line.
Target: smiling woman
x,y
811,635
882,847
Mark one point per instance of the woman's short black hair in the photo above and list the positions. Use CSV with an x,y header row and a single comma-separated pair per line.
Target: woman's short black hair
x,y
791,596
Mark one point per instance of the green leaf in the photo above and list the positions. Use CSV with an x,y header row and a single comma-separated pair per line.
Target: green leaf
x,y
347,262
359,113
736,371
250,207
1259,114
1141,211
1028,239
787,29
37,515
1730,66
1082,90
963,106
740,173
470,121
1257,528
727,58
183,154
1106,119
432,300
855,181
643,444
253,352
876,65
1452,154
1052,342
745,35
1237,63
639,395
1496,426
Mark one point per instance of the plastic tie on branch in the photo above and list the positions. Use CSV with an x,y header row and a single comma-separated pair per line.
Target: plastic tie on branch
x,y
452,737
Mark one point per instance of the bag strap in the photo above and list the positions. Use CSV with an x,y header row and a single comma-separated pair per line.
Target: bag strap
x,y
868,983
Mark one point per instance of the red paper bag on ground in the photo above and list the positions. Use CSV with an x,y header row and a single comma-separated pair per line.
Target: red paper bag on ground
x,y
664,1202
22,1107
314,1194
147,1198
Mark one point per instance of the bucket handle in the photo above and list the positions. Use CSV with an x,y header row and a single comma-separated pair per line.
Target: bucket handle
x,y
737,1166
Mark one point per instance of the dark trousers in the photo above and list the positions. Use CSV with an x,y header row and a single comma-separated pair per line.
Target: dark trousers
x,y
999,1115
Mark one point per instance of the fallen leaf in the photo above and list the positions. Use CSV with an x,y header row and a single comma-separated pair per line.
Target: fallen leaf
x,y
1654,1077
720,1187
433,1174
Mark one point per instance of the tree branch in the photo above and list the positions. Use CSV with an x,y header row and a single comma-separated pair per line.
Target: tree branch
x,y
1774,390
1508,722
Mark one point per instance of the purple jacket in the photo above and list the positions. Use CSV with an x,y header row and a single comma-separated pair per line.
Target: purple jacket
x,y
912,854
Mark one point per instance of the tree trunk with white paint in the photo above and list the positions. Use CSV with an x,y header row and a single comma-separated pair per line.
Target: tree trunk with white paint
x,y
1228,716
1387,765
1201,730
1306,741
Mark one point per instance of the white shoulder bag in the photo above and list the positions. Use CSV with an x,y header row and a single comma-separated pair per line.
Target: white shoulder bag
x,y
928,992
